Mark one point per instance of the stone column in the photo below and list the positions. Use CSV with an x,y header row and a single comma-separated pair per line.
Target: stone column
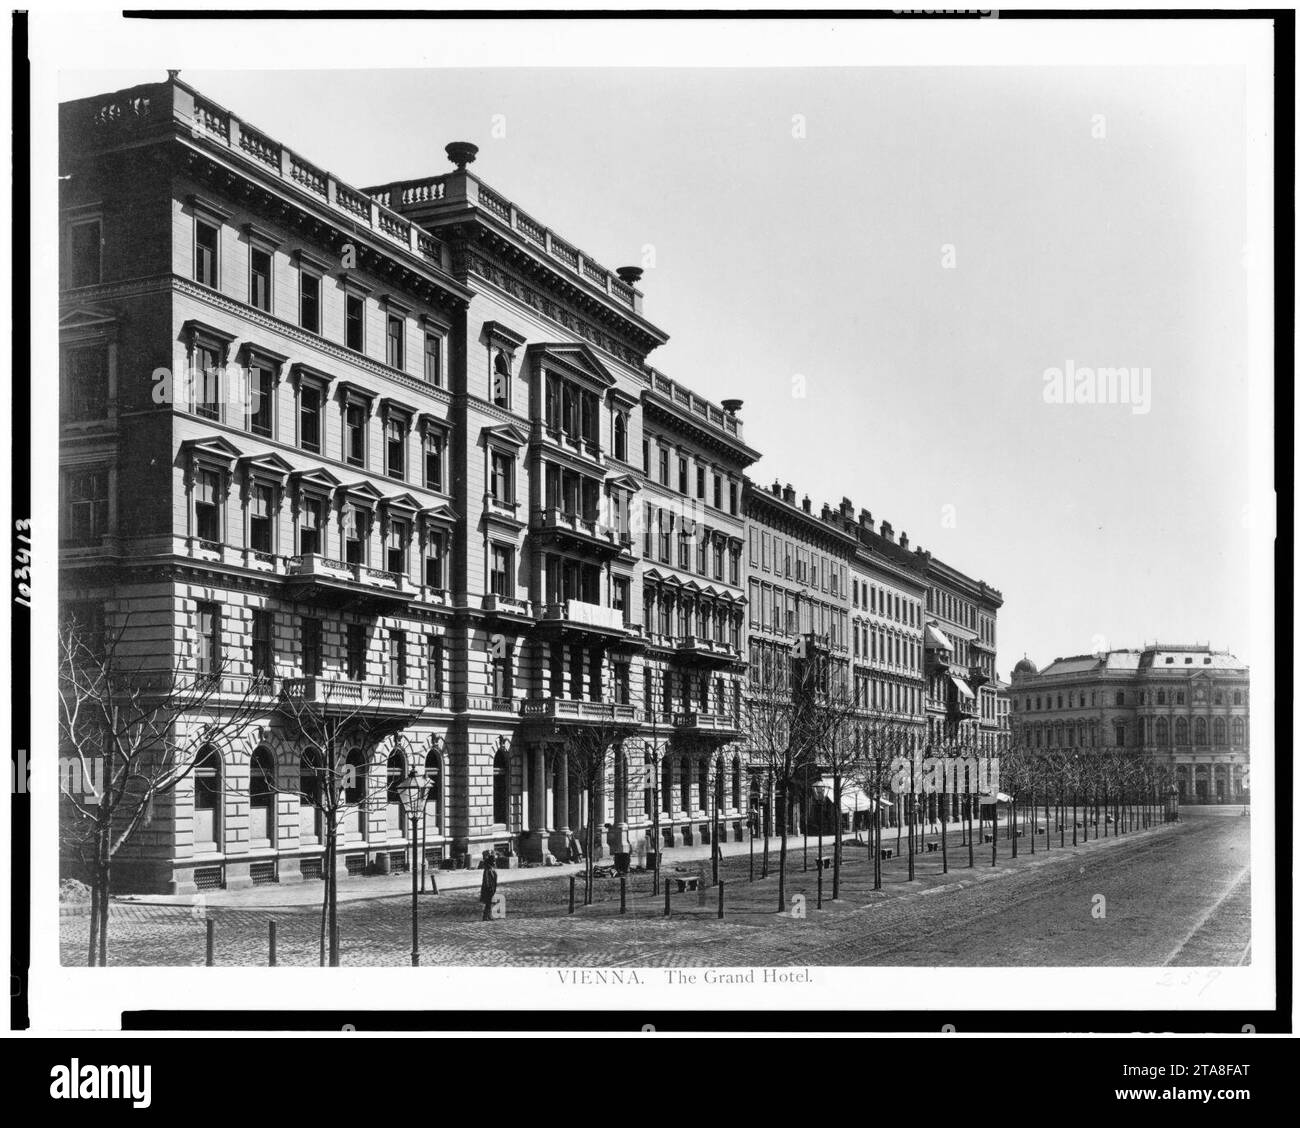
x,y
562,826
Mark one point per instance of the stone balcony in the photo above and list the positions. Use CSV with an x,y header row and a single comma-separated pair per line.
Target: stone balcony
x,y
705,724
574,617
507,607
706,651
562,709
338,696
583,533
337,583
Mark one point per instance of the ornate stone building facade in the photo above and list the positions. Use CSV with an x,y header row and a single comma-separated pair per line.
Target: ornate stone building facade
x,y
399,450
1186,705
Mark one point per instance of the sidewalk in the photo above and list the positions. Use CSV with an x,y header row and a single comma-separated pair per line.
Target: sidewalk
x,y
399,885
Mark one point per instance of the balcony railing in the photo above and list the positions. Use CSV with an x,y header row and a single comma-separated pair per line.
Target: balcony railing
x,y
564,709
704,722
505,605
315,565
576,613
586,529
337,693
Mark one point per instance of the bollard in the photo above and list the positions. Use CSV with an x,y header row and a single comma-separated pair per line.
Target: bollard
x,y
722,890
212,931
573,885
622,894
270,928
668,898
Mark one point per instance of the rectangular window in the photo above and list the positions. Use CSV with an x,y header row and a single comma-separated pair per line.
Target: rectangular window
x,y
622,684
311,647
260,508
433,566
503,675
396,657
207,381
699,482
649,530
501,577
207,506
358,640
396,554
263,652
309,526
309,417
620,596
354,426
433,444
206,237
356,526
717,491
682,481
395,445
734,498
85,383
396,353
433,359
645,455
208,651
259,278
575,672
435,663
86,252
663,466
309,301
261,401
354,322
503,473
595,678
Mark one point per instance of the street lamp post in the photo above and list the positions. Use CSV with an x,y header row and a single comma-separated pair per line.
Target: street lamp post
x,y
414,790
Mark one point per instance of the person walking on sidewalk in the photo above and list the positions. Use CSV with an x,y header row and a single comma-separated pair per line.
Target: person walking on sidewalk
x,y
489,887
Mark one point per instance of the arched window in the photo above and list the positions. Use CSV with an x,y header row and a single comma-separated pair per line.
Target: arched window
x,y
501,787
207,800
311,775
735,783
1200,731
354,793
620,437
1180,731
396,773
1220,732
1162,731
261,798
501,380
433,776
1238,732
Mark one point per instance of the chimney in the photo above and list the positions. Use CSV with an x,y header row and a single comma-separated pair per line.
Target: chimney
x,y
629,274
828,514
807,503
865,520
461,153
902,541
887,531
846,509
788,495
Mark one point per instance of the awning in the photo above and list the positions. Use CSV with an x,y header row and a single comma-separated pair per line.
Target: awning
x,y
935,637
961,685
851,798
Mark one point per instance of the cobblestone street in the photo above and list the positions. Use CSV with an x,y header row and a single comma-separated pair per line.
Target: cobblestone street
x,y
1177,894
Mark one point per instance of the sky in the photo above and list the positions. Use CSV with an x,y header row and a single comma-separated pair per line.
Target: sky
x,y
884,263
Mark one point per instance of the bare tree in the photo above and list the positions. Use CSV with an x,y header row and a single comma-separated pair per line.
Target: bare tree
x,y
131,731
835,740
591,755
337,731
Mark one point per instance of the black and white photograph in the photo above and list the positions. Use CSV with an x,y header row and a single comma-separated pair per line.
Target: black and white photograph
x,y
650,514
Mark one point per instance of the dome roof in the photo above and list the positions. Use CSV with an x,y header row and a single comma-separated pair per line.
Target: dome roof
x,y
1024,666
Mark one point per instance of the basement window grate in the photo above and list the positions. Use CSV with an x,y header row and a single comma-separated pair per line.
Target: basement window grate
x,y
356,864
397,861
263,873
208,878
312,869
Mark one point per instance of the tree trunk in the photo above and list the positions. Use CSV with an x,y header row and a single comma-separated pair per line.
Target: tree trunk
x,y
92,950
105,899
839,840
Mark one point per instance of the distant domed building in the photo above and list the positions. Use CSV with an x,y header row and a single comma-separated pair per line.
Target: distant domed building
x,y
1024,667
1187,706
